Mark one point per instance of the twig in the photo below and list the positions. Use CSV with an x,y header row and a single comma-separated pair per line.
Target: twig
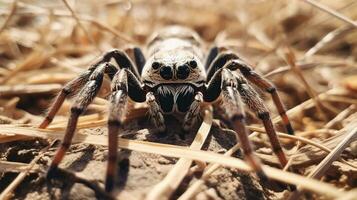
x,y
342,115
341,99
292,157
331,12
8,18
304,105
100,25
303,140
74,15
172,180
33,60
291,60
341,31
42,11
194,188
304,65
17,90
318,131
327,18
6,166
6,194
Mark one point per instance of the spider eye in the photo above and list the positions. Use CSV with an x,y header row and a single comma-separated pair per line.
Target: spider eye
x,y
166,72
155,65
183,71
193,63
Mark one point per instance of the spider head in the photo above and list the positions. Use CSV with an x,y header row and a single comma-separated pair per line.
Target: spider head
x,y
173,67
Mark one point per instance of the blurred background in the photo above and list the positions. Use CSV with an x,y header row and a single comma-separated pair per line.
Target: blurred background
x,y
46,37
47,43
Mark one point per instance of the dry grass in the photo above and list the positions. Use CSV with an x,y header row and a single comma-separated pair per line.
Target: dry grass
x,y
307,48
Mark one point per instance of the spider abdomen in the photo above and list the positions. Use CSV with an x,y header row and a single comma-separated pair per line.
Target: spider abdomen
x,y
174,98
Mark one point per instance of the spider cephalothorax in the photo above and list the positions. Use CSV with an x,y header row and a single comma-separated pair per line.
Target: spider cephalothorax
x,y
174,73
173,80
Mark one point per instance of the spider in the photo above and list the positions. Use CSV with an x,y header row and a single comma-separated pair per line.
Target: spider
x,y
173,80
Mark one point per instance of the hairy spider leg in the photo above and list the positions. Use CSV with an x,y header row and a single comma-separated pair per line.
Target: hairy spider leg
x,y
255,103
224,57
136,54
229,61
264,84
84,98
224,84
74,86
69,89
117,111
125,83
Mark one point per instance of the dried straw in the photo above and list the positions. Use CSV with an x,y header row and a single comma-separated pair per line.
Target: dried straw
x,y
169,184
9,16
322,46
331,12
322,167
180,152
